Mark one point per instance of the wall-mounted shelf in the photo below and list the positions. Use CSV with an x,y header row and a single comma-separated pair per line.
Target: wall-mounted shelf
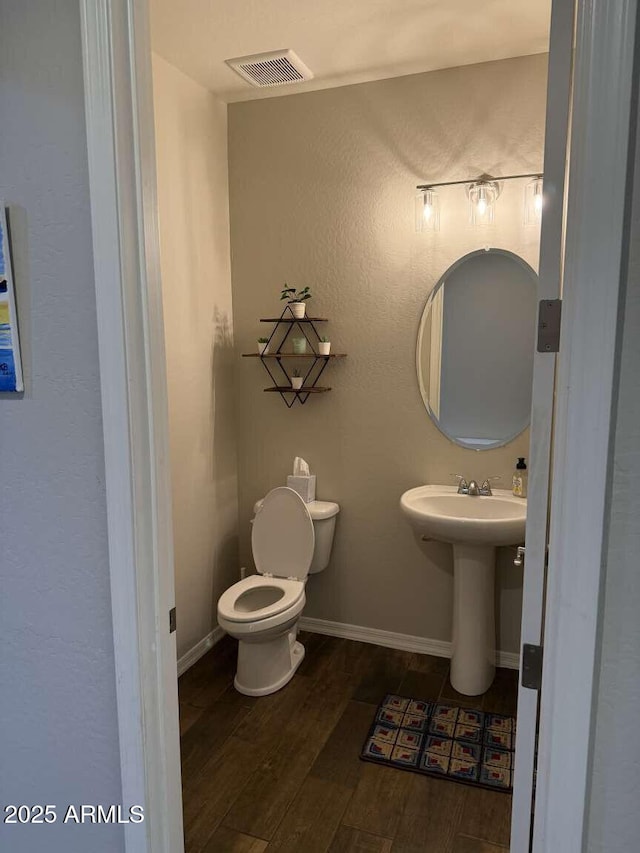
x,y
293,355
310,389
292,319
274,359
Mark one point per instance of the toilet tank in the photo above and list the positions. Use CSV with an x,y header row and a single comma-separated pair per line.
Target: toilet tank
x,y
323,514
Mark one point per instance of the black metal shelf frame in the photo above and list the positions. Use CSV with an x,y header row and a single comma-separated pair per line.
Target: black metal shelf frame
x,y
315,371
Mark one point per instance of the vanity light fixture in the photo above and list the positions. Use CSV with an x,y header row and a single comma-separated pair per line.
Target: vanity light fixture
x,y
427,210
483,193
482,201
533,202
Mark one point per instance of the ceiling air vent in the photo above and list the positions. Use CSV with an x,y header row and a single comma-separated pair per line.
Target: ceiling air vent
x,y
277,68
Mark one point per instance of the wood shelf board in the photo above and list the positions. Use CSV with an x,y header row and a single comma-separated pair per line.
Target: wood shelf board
x,y
293,355
293,320
306,389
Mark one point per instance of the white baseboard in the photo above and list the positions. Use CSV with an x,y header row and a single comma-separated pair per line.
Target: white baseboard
x,y
508,660
194,654
390,639
404,642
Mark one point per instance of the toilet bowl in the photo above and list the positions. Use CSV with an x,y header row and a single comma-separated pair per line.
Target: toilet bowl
x,y
262,611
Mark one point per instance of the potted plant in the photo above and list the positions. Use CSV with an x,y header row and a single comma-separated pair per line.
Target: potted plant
x,y
296,379
262,345
296,299
324,346
299,345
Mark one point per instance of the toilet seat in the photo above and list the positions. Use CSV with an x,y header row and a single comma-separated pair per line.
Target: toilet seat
x,y
236,604
282,541
282,537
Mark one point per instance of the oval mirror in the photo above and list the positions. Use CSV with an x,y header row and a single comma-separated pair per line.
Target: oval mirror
x,y
474,355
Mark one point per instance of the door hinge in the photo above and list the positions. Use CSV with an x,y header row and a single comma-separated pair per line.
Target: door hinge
x,y
531,666
172,620
549,316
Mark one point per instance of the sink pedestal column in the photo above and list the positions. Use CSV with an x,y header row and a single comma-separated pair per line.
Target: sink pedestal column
x,y
474,627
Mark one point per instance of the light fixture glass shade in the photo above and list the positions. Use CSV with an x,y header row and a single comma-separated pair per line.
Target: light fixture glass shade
x,y
427,211
533,200
482,200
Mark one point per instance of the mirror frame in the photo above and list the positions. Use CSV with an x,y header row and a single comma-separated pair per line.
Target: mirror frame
x,y
426,312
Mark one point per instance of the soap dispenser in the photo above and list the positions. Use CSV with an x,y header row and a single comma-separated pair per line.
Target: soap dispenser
x,y
520,476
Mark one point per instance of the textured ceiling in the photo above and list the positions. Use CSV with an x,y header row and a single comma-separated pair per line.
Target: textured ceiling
x,y
343,41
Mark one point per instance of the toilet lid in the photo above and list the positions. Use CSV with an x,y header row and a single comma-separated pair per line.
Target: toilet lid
x,y
283,538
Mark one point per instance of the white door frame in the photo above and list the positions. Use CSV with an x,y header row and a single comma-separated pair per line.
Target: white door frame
x,y
122,178
542,406
602,124
120,138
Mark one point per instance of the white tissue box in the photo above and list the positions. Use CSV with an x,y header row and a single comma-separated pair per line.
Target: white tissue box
x,y
304,486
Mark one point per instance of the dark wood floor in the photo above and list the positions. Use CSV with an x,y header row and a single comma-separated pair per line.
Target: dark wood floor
x,y
282,773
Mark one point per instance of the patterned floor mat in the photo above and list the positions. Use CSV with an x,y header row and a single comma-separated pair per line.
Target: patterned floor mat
x,y
474,747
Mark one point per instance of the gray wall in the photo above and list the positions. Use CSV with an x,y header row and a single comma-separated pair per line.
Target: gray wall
x,y
614,818
321,193
193,202
57,696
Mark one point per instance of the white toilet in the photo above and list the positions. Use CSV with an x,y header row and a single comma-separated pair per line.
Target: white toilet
x,y
290,539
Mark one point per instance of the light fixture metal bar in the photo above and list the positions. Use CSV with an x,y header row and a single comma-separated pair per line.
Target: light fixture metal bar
x,y
485,179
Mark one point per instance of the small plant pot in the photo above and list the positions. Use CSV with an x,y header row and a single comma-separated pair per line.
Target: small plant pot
x,y
324,347
298,309
262,348
299,346
296,382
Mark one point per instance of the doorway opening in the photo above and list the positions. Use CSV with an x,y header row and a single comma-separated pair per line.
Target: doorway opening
x,y
380,199
312,184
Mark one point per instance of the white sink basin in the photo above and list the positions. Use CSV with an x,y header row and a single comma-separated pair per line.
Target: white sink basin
x,y
474,525
439,512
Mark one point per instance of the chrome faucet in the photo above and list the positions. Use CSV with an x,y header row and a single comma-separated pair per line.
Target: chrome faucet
x,y
472,488
463,486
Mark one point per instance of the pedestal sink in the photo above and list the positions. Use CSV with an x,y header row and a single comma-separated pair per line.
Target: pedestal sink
x,y
475,526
